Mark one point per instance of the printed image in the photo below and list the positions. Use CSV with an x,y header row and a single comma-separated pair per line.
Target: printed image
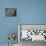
x,y
10,12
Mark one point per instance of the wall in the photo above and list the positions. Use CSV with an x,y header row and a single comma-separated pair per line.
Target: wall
x,y
28,12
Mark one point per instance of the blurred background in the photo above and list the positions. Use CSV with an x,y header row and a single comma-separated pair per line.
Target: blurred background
x,y
28,12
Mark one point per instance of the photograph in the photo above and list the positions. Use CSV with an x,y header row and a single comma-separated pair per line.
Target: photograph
x,y
10,12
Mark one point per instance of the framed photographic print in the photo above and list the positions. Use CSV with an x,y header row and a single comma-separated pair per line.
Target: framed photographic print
x,y
10,12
